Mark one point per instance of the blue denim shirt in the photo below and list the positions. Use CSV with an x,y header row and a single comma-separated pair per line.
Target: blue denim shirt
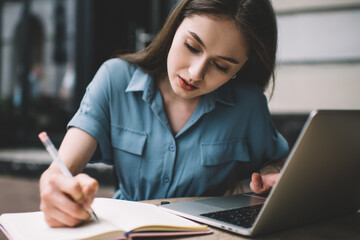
x,y
229,136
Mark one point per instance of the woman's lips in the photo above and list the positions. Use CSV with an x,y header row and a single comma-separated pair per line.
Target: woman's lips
x,y
186,85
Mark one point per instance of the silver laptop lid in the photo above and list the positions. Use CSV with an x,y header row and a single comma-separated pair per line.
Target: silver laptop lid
x,y
321,176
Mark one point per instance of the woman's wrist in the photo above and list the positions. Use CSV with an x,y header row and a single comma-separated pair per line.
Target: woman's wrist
x,y
270,169
274,167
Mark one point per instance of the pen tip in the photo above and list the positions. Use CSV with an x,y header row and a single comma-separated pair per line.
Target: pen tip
x,y
94,216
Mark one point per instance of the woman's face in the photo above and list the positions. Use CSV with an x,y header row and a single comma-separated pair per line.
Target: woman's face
x,y
206,52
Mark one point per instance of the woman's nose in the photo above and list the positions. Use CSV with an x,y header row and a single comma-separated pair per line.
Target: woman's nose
x,y
197,69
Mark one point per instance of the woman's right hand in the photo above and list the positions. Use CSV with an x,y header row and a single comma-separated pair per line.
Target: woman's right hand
x,y
64,200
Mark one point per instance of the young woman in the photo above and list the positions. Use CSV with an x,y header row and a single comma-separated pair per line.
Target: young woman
x,y
185,117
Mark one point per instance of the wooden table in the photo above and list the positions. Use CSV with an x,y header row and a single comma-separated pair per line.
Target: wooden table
x,y
347,227
20,195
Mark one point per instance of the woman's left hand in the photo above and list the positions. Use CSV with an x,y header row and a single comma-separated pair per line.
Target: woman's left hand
x,y
262,183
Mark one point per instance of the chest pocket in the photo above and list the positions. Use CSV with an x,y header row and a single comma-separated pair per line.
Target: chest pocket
x,y
128,140
128,149
217,153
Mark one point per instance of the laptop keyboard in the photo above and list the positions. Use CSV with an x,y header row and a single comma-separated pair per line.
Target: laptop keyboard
x,y
244,217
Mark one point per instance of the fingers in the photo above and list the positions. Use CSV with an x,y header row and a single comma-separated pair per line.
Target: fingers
x,y
63,199
69,186
270,179
59,218
261,184
89,188
256,183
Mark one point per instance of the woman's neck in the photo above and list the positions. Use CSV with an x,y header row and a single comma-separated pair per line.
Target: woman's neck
x,y
178,110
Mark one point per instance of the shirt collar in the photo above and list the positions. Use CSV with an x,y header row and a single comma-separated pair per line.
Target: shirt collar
x,y
141,82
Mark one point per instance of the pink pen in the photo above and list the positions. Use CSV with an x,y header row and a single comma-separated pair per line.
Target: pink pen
x,y
55,156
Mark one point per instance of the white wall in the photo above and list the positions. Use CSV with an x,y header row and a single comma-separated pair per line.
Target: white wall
x,y
319,56
292,5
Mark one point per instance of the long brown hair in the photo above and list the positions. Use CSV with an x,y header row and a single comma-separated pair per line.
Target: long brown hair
x,y
255,18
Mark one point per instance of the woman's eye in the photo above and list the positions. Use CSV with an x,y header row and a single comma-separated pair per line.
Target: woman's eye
x,y
192,49
224,69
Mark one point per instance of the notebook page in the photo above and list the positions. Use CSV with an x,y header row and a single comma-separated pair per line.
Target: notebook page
x,y
32,225
131,215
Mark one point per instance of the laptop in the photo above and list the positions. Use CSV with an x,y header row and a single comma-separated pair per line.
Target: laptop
x,y
320,179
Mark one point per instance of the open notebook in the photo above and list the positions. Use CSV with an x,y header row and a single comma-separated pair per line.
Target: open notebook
x,y
117,219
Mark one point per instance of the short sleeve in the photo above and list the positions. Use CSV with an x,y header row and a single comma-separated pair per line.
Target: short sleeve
x,y
93,115
267,145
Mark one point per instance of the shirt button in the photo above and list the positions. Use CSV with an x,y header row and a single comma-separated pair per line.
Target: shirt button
x,y
166,178
172,147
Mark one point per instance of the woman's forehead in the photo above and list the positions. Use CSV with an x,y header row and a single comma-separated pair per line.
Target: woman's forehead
x,y
214,31
212,22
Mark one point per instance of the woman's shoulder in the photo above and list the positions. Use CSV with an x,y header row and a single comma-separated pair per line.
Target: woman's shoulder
x,y
116,72
248,91
118,65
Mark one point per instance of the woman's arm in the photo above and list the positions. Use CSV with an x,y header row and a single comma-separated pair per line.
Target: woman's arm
x,y
76,149
64,200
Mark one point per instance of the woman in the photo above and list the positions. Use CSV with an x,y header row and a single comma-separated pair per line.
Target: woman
x,y
185,117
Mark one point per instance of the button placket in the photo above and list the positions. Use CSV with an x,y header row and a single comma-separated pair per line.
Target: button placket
x,y
172,153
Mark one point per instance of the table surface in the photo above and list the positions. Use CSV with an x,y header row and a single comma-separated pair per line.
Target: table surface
x,y
21,195
346,227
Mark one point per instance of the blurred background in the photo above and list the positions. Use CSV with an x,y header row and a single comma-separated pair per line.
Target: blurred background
x,y
51,49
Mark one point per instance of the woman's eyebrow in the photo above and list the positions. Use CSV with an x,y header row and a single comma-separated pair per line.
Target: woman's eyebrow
x,y
198,39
